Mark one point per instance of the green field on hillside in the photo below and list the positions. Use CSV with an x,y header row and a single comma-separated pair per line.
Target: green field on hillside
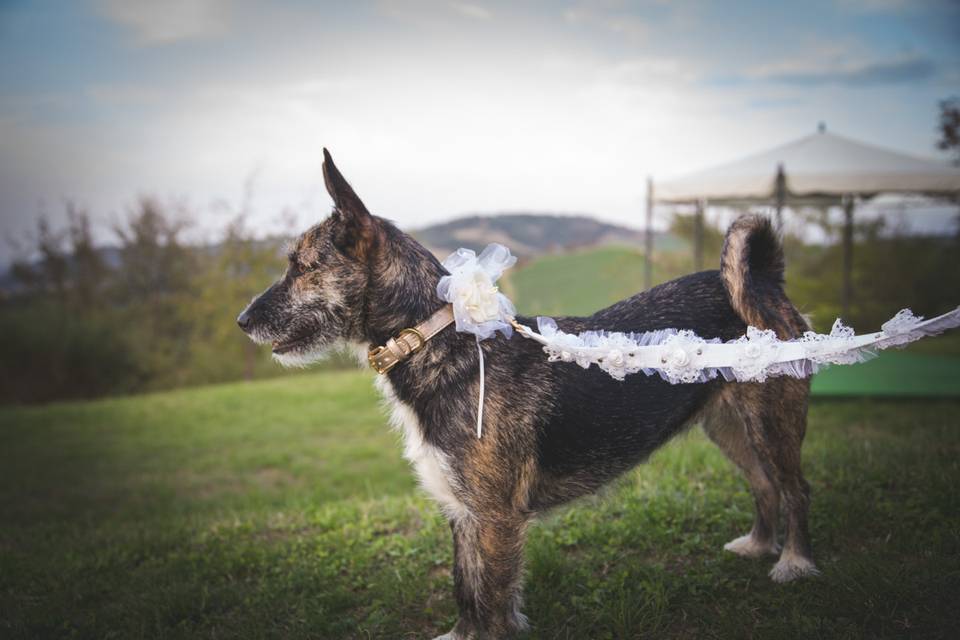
x,y
282,509
577,283
581,282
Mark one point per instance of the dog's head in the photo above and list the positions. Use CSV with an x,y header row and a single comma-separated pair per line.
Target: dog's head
x,y
319,300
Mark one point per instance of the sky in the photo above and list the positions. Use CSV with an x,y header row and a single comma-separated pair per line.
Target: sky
x,y
438,108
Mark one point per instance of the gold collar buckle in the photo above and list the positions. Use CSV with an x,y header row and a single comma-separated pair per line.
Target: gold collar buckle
x,y
373,356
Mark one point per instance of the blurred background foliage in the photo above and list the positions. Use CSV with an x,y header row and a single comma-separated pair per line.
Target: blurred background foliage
x,y
153,311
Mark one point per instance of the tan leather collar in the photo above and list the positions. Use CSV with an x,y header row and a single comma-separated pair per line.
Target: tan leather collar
x,y
409,341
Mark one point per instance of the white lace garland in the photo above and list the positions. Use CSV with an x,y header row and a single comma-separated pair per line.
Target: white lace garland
x,y
681,356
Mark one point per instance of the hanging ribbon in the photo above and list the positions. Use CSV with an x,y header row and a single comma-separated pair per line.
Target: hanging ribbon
x,y
480,401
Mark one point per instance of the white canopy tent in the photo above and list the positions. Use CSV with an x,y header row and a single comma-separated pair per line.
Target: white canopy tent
x,y
822,169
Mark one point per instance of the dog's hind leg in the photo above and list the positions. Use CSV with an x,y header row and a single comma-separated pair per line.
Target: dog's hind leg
x,y
775,416
790,415
727,430
487,575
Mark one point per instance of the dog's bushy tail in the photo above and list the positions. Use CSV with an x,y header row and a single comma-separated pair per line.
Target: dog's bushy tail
x,y
751,266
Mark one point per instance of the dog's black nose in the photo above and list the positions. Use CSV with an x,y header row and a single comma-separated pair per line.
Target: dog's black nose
x,y
244,320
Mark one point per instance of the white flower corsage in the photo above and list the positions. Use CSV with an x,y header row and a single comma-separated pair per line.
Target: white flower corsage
x,y
478,306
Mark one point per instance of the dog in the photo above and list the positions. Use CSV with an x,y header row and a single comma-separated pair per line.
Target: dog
x,y
551,432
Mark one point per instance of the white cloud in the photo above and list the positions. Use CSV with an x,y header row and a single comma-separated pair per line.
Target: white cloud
x,y
160,23
470,10
434,12
875,6
124,95
629,26
856,73
652,70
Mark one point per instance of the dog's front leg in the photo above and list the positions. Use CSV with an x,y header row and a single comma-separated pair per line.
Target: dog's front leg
x,y
487,575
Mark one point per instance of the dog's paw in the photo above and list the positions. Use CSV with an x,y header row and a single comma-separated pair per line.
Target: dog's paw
x,y
791,567
749,547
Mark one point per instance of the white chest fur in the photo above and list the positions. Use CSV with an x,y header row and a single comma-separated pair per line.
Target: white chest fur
x,y
431,465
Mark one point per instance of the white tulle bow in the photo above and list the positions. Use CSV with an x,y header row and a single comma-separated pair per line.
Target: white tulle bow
x,y
478,306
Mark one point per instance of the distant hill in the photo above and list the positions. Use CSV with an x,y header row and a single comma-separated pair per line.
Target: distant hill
x,y
526,234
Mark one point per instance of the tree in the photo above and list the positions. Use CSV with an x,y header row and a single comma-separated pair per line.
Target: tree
x,y
154,262
948,127
43,268
154,286
89,270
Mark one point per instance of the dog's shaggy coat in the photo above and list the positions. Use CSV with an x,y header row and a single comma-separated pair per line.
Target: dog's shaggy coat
x,y
551,432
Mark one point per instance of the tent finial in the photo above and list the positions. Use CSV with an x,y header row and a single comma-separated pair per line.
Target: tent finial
x,y
821,127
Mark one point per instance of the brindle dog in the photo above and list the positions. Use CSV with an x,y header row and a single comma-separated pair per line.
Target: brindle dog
x,y
551,432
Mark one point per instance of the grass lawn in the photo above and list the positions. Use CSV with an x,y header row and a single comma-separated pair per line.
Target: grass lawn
x,y
893,374
282,509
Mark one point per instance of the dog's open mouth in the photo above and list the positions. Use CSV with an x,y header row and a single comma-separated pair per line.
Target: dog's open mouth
x,y
292,343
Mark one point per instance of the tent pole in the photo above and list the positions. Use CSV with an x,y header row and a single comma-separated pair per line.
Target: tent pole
x,y
847,299
780,196
698,236
648,239
956,202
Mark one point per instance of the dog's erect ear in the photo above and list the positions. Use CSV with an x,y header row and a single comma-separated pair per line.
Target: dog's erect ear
x,y
358,230
344,199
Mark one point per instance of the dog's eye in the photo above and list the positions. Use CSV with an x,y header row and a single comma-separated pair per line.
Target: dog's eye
x,y
295,263
298,268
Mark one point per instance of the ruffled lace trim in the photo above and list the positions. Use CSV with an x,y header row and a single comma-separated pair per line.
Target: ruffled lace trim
x,y
682,357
